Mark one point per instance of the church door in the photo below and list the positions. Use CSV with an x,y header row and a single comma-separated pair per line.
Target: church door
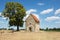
x,y
30,29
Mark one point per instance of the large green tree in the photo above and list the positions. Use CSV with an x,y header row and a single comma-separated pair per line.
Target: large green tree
x,y
15,12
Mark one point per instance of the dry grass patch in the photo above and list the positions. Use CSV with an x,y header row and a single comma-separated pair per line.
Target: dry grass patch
x,y
42,35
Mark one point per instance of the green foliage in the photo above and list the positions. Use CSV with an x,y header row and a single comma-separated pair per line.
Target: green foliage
x,y
3,28
51,29
10,29
47,29
16,12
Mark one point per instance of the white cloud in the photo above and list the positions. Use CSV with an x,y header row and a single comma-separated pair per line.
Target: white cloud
x,y
31,11
0,14
57,11
52,18
4,17
46,11
40,4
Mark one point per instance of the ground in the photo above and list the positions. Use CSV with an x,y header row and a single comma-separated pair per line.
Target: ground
x,y
42,35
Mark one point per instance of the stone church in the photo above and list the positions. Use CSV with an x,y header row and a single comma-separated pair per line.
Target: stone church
x,y
32,23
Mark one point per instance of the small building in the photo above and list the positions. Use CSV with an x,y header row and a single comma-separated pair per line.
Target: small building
x,y
32,23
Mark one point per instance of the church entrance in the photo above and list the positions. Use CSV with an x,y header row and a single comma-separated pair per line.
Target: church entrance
x,y
30,29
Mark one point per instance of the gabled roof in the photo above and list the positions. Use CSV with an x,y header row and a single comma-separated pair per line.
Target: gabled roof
x,y
35,18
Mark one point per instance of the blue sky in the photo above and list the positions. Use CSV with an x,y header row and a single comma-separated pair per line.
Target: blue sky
x,y
47,10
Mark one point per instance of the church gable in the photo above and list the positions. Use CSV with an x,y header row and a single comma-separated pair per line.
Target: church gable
x,y
32,17
30,20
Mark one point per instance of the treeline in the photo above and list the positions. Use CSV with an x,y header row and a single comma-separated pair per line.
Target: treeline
x,y
51,29
6,29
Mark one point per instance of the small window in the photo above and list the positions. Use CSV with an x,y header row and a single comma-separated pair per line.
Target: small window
x,y
30,23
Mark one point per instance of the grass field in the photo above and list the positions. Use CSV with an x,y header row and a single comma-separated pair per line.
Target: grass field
x,y
42,35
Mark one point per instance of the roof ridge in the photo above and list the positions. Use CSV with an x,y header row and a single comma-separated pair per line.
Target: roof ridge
x,y
35,18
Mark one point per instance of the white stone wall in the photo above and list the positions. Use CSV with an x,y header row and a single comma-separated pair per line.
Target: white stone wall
x,y
37,28
33,25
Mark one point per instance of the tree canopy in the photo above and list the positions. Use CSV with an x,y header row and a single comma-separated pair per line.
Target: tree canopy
x,y
15,12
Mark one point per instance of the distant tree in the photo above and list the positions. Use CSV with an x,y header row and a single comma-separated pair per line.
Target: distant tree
x,y
3,28
54,28
47,29
10,29
15,12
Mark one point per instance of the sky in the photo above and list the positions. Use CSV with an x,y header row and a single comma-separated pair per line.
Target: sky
x,y
48,11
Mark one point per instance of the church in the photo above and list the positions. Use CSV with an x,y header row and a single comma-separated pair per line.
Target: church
x,y
32,23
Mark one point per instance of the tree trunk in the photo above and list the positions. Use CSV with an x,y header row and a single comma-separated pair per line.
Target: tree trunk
x,y
17,28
